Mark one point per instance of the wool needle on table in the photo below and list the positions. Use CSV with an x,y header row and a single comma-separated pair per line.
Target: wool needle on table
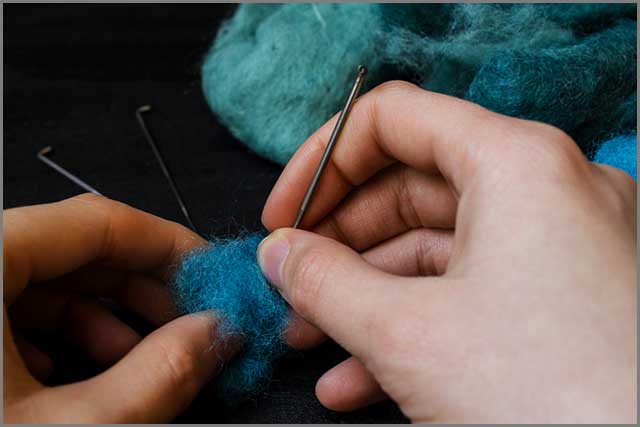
x,y
42,155
362,72
163,166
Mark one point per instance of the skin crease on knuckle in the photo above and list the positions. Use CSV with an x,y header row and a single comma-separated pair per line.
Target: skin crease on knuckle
x,y
471,155
181,363
545,151
115,215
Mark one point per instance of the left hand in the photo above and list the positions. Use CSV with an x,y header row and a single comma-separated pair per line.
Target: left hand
x,y
58,259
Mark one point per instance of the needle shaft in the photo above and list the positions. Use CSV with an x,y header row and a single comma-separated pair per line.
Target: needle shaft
x,y
163,166
362,71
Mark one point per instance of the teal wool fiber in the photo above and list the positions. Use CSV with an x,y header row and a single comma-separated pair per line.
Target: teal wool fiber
x,y
620,152
225,277
276,72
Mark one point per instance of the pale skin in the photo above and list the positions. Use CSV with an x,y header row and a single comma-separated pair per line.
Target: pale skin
x,y
477,267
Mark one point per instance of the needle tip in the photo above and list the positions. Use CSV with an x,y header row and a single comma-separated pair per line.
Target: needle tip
x,y
144,109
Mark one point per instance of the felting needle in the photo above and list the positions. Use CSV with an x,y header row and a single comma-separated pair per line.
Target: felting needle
x,y
42,155
362,72
163,166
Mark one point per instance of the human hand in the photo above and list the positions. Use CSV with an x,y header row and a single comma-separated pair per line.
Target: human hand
x,y
477,266
58,259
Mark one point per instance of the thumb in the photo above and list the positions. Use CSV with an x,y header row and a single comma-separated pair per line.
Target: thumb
x,y
329,285
157,380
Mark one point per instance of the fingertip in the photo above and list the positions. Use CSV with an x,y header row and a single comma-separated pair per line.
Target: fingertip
x,y
330,391
301,334
326,388
160,376
347,387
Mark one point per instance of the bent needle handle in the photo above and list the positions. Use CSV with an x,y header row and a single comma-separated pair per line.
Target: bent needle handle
x,y
42,155
362,71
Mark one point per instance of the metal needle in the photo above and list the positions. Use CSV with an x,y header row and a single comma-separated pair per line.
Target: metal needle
x,y
42,155
163,166
362,71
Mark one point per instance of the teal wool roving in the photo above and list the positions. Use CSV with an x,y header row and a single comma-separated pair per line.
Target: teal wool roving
x,y
225,277
277,72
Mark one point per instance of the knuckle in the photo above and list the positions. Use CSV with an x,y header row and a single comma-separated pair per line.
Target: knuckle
x,y
618,176
181,366
99,205
91,198
317,142
619,189
553,140
394,86
537,148
550,132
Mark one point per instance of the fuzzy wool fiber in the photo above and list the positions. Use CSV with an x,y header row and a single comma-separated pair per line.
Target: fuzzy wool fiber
x,y
276,72
225,277
620,152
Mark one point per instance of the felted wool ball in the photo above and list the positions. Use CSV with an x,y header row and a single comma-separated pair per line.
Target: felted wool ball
x,y
277,72
225,277
620,152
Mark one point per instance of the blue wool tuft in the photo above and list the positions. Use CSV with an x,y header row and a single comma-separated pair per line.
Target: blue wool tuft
x,y
225,277
277,72
620,152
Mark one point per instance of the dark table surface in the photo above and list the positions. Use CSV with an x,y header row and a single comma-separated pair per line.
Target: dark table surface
x,y
73,78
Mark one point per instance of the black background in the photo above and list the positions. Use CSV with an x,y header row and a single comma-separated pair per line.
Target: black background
x,y
73,79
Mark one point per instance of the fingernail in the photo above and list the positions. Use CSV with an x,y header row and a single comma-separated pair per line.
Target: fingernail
x,y
272,252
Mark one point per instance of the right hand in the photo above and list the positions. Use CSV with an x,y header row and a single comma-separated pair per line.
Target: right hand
x,y
481,268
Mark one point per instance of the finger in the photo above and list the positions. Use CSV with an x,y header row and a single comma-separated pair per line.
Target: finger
x,y
348,386
140,293
94,229
148,297
38,363
332,287
154,382
301,334
40,310
420,252
94,329
17,381
84,322
389,204
396,121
